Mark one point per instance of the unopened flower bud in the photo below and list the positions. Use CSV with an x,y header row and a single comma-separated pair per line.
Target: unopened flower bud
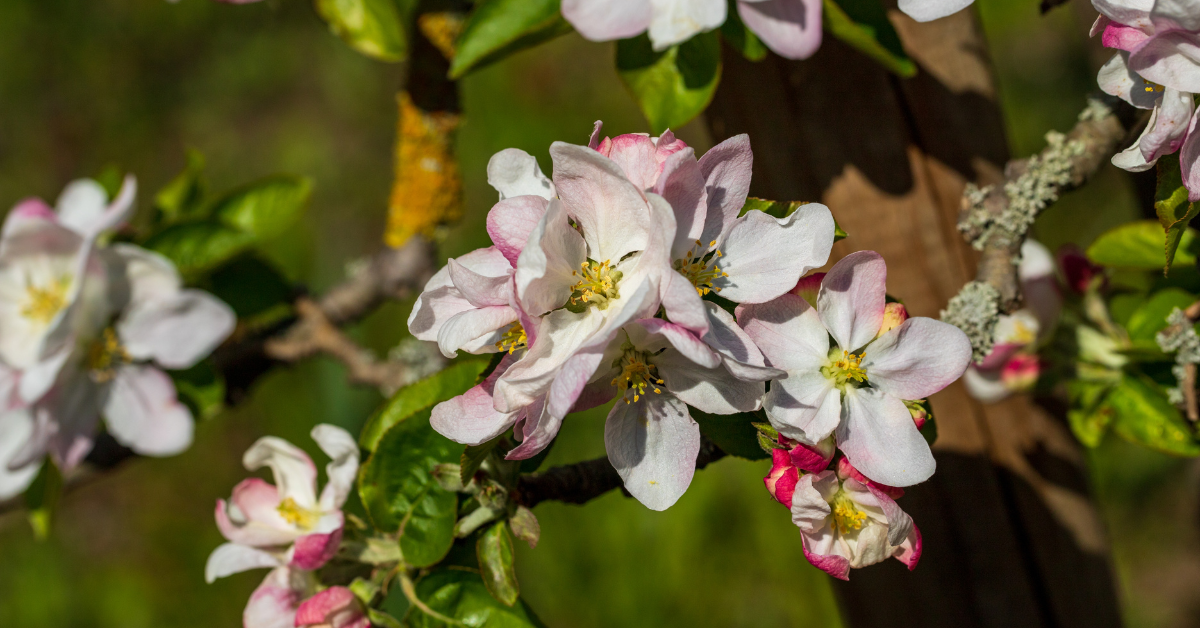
x,y
1077,269
781,481
1021,372
918,411
808,287
893,315
335,607
813,458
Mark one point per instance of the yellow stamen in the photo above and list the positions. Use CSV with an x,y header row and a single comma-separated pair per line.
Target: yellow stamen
x,y
1152,87
846,516
105,354
43,303
847,368
597,285
302,518
514,338
637,373
699,265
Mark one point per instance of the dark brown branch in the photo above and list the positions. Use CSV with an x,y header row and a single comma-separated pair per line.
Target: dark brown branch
x,y
582,482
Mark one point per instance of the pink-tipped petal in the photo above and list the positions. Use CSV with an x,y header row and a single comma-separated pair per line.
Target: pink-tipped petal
x,y
546,267
852,299
635,154
910,550
726,168
273,604
312,551
1189,159
470,417
682,185
512,220
790,28
877,434
1123,37
789,332
1171,59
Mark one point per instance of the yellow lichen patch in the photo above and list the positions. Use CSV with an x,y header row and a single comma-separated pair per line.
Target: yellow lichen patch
x,y
105,354
637,373
43,303
427,192
294,514
442,30
700,267
514,338
846,516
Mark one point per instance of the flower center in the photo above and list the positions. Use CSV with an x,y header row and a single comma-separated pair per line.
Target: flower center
x,y
514,338
846,516
597,286
105,354
43,303
1152,86
298,516
846,368
637,373
700,267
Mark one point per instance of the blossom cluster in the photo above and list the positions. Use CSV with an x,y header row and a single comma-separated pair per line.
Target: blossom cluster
x,y
633,273
790,28
292,530
85,331
1157,67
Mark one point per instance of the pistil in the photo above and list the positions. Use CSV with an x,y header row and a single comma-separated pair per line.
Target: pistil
x,y
637,373
699,265
597,285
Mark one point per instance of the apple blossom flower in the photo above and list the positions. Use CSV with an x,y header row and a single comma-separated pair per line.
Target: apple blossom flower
x,y
791,28
847,524
285,524
856,388
1012,365
52,284
792,459
592,264
335,607
115,371
1156,67
658,369
274,604
929,10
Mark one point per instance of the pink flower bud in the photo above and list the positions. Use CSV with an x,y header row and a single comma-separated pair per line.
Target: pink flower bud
x,y
808,287
781,481
846,470
335,607
813,458
918,412
1021,372
893,315
1077,269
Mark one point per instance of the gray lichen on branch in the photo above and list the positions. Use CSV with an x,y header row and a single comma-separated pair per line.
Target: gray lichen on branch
x,y
996,219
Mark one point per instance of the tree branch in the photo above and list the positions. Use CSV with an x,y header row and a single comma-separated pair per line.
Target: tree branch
x,y
996,218
582,482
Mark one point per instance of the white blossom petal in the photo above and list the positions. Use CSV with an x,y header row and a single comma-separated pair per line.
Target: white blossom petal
x,y
852,298
764,256
143,413
653,445
879,438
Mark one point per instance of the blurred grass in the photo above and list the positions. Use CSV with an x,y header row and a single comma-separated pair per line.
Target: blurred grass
x,y
264,88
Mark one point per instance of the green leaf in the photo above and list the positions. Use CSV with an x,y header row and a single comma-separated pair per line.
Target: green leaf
x,y
380,619
672,86
495,551
783,209
473,457
525,526
1089,415
740,37
445,384
1172,206
266,207
1139,245
1144,416
460,594
400,493
498,28
1151,317
250,285
734,433
863,24
198,247
42,497
375,28
202,388
183,197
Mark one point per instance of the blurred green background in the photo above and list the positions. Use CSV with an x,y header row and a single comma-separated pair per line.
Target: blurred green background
x,y
265,88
